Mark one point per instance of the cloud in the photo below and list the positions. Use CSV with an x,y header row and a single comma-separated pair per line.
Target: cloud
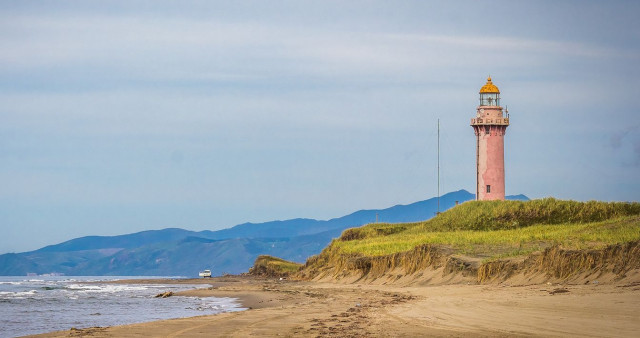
x,y
626,142
121,50
285,109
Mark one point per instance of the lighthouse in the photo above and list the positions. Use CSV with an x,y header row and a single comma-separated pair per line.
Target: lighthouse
x,y
490,125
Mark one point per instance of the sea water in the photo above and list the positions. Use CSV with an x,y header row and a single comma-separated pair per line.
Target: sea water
x,y
30,305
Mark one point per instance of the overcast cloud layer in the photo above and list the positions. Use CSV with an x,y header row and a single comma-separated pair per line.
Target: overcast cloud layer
x,y
125,116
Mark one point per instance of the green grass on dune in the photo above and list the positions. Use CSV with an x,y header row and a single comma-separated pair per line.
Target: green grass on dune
x,y
275,265
500,215
493,229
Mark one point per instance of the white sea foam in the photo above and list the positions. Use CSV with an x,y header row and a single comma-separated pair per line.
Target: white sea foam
x,y
18,295
217,304
10,283
105,288
27,293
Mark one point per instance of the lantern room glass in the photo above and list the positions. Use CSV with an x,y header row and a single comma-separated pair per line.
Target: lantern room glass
x,y
490,99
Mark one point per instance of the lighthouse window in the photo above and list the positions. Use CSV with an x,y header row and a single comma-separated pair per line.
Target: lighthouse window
x,y
486,129
488,188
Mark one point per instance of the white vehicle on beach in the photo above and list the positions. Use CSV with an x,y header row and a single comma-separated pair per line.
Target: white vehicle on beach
x,y
205,274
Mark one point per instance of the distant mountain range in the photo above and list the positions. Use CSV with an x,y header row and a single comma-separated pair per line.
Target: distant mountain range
x,y
179,252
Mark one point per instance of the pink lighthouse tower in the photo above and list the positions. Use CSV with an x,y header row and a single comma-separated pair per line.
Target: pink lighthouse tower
x,y
490,126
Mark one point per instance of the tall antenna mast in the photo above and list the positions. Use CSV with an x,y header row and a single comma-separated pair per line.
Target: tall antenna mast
x,y
438,212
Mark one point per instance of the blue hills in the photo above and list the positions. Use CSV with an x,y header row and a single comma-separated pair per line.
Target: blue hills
x,y
179,252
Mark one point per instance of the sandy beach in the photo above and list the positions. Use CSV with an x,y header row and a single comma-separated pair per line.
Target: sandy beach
x,y
309,309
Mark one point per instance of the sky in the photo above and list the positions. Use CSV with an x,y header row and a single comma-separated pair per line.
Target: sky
x,y
123,116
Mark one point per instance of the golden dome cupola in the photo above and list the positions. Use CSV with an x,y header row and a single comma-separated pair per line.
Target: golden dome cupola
x,y
489,94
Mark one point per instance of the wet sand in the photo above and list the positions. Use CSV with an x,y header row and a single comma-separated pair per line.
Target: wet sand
x,y
310,309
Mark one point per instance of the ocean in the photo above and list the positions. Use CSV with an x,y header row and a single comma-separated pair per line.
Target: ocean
x,y
30,305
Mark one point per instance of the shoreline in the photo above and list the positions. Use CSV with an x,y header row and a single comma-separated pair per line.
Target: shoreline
x,y
246,289
310,309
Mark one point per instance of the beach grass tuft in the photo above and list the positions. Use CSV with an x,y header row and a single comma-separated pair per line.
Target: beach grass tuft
x,y
273,266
